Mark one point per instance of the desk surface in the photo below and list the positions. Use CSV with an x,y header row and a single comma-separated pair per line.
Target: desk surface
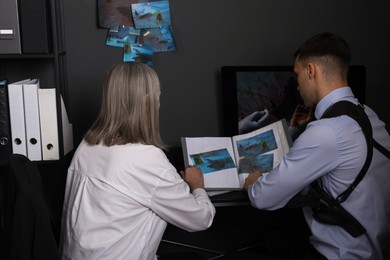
x,y
236,225
232,198
233,229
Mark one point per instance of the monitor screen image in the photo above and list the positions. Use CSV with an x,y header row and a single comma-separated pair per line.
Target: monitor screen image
x,y
269,92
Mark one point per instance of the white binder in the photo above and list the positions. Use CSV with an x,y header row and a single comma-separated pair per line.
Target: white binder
x,y
31,113
16,114
49,124
67,129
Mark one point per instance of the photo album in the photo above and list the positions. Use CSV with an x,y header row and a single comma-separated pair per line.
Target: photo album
x,y
227,161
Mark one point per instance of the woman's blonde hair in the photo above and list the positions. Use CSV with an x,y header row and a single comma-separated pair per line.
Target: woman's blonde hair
x,y
130,107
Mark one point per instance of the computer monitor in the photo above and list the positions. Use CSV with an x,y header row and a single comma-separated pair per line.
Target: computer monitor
x,y
246,89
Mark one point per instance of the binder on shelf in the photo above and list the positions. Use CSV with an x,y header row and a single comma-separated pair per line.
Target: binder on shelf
x,y
16,115
32,120
5,128
49,125
35,26
9,27
67,129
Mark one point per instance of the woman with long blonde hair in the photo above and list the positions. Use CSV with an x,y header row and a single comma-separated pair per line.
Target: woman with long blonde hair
x,y
121,190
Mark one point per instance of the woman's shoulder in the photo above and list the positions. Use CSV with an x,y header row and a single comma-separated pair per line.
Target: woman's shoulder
x,y
143,152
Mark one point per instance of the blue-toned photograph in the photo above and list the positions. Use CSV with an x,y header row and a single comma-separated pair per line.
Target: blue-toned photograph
x,y
151,15
160,38
213,161
118,34
251,163
115,12
262,143
251,152
141,53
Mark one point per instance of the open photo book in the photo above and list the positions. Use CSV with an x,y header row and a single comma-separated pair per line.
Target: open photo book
x,y
227,161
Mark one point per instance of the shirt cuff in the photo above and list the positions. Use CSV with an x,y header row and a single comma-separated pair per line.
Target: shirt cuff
x,y
199,191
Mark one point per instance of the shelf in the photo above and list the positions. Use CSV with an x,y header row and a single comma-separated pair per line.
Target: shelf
x,y
49,66
32,56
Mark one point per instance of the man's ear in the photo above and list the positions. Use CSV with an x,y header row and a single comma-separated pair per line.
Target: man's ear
x,y
310,70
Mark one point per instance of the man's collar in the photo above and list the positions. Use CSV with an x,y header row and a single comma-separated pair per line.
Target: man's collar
x,y
343,93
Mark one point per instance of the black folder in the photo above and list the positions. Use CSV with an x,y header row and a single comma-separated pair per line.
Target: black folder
x,y
9,27
5,129
35,26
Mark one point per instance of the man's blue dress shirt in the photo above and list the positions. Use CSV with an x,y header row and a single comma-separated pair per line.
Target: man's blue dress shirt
x,y
334,150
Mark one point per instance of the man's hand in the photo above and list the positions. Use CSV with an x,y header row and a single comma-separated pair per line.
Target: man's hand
x,y
193,176
252,178
302,115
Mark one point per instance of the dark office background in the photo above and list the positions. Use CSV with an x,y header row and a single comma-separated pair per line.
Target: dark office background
x,y
212,34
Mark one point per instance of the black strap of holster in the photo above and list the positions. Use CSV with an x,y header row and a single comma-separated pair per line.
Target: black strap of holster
x,y
357,113
326,209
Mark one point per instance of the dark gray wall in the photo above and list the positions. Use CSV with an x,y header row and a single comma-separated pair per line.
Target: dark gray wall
x,y
212,33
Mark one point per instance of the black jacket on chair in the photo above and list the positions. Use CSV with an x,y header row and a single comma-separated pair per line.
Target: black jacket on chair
x,y
27,219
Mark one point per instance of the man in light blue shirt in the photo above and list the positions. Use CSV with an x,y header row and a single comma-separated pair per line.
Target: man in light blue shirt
x,y
334,151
